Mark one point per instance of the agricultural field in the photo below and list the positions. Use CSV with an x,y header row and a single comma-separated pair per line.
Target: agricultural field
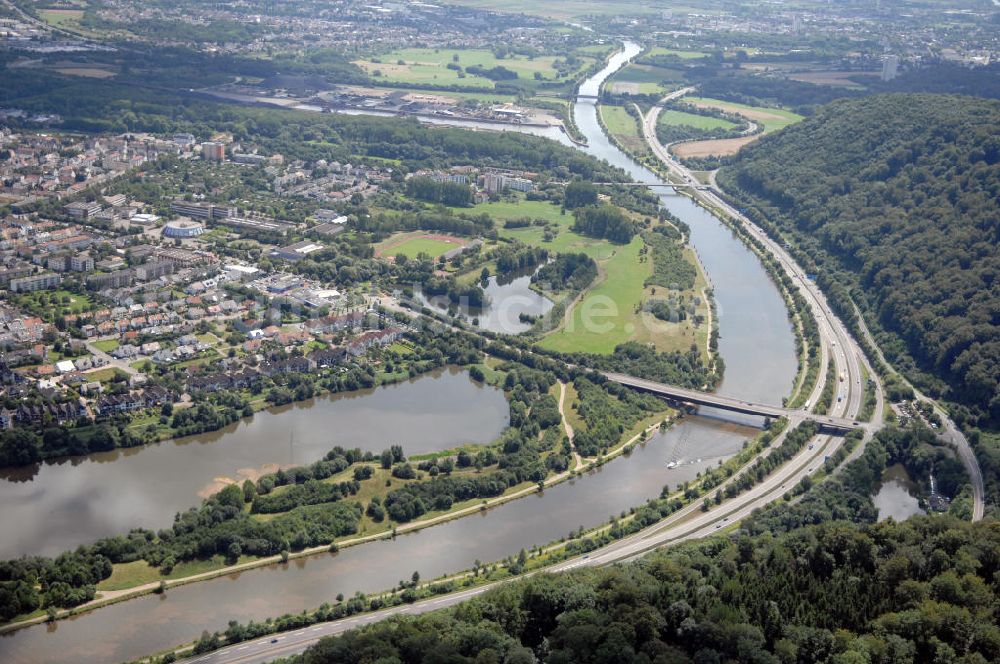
x,y
770,119
683,55
707,123
413,244
427,66
645,79
624,128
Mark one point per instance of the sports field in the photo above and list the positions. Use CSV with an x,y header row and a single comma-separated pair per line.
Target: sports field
x,y
412,245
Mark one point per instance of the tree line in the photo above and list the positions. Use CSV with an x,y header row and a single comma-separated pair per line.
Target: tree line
x,y
907,229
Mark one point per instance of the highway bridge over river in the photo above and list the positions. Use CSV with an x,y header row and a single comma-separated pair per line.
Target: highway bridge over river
x,y
827,423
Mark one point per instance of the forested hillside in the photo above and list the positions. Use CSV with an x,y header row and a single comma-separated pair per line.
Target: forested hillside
x,y
895,199
918,591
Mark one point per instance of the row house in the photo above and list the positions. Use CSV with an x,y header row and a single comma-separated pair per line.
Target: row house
x,y
362,343
291,365
151,397
222,381
352,320
328,357
61,413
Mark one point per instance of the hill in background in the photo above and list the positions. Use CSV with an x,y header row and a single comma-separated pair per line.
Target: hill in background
x,y
894,199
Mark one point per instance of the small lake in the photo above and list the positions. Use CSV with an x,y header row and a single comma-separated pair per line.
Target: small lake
x,y
897,496
508,296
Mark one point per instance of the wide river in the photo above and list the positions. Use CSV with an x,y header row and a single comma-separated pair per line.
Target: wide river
x,y
756,344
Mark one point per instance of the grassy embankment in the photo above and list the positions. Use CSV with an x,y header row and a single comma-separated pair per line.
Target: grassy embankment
x,y
624,130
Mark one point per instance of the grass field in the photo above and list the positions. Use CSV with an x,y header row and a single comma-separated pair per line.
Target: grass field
x,y
672,117
105,375
413,244
430,66
624,128
61,18
504,210
565,239
648,78
772,119
683,55
107,345
605,316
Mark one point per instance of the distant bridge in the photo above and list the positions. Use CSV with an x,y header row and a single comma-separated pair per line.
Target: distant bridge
x,y
654,184
827,423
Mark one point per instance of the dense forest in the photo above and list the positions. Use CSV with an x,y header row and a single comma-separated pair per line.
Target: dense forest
x,y
893,198
917,591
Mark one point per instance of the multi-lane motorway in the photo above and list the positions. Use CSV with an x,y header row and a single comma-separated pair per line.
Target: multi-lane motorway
x,y
832,330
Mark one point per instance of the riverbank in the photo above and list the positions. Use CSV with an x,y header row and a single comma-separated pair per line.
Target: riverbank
x,y
675,509
638,432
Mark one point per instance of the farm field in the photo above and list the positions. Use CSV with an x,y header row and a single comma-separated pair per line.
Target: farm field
x,y
834,78
683,55
672,117
413,244
624,128
645,79
430,66
770,119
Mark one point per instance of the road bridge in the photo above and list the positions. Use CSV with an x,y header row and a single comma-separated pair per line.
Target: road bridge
x,y
827,423
654,185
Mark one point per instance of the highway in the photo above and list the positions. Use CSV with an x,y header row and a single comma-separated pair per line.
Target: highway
x,y
688,523
834,338
831,329
841,424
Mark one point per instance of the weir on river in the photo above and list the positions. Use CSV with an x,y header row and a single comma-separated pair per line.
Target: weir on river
x,y
759,352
